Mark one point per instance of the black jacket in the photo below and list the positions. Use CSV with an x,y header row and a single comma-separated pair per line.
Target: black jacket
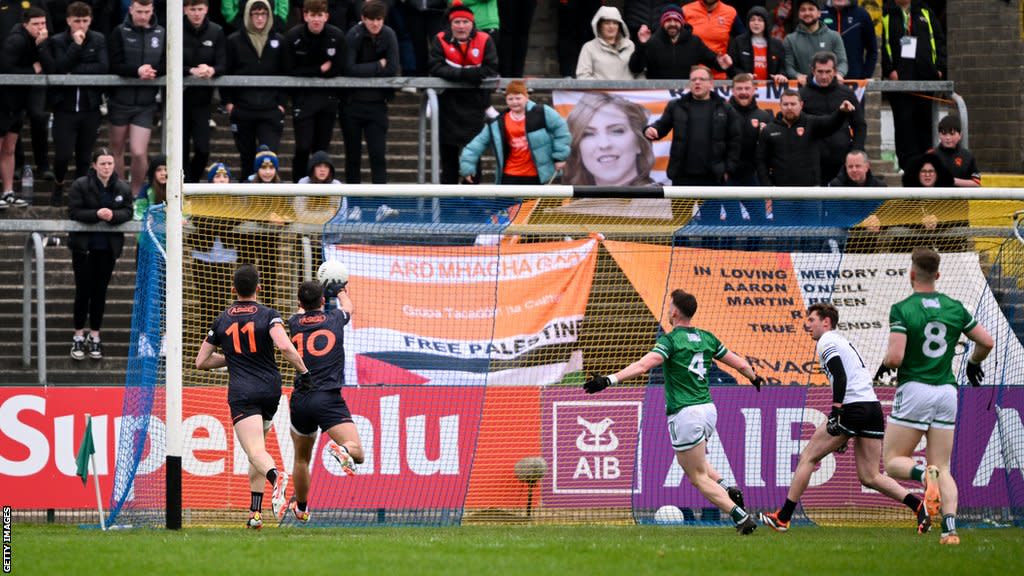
x,y
60,55
927,28
725,135
362,60
741,50
752,120
131,47
304,53
87,195
19,53
243,61
824,100
660,58
843,179
788,155
203,45
462,111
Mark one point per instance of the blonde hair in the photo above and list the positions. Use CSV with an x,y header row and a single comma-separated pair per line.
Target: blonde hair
x,y
581,116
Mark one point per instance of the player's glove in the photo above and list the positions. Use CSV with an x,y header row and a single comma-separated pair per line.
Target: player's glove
x,y
757,382
834,428
331,289
303,382
883,371
975,375
596,383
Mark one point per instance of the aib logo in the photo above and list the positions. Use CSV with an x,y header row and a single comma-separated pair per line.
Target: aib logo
x,y
595,446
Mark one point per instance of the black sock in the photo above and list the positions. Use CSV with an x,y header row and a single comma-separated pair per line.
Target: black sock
x,y
912,502
948,523
786,512
738,514
301,505
272,476
255,501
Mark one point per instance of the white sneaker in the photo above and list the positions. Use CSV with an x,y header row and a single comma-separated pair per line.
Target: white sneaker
x,y
384,212
355,214
11,200
277,499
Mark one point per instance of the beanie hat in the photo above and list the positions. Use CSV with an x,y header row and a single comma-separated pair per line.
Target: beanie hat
x,y
265,154
516,87
458,10
672,12
217,168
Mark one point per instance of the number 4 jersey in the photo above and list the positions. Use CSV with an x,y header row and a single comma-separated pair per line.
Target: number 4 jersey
x,y
933,323
688,354
243,333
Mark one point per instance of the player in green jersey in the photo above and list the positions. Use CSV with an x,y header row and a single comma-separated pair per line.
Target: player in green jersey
x,y
685,354
924,330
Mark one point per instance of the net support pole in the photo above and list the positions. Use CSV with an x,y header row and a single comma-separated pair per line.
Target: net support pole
x,y
175,177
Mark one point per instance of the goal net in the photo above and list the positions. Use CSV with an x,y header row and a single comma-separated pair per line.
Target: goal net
x,y
477,319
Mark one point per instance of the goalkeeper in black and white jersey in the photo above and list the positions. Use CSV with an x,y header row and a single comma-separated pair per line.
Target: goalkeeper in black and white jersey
x,y
856,412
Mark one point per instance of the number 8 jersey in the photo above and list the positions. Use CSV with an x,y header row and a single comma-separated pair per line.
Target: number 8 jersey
x,y
933,323
688,354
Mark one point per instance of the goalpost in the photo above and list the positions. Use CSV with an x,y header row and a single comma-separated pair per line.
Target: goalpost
x,y
477,318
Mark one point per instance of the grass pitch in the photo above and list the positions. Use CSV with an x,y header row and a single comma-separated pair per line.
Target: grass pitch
x,y
511,550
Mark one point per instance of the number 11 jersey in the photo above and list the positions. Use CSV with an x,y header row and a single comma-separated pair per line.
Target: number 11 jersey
x,y
243,333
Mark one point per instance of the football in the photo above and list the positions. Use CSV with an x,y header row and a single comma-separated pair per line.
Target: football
x,y
332,271
669,514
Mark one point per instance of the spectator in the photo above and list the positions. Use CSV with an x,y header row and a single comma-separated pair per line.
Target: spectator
x,y
11,19
265,167
855,26
608,144
485,13
752,121
673,50
256,114
756,52
279,22
137,50
822,95
856,172
913,48
783,19
97,197
78,50
958,160
424,19
461,54
218,173
205,55
20,56
530,142
639,13
809,38
372,52
715,23
928,171
573,32
705,134
788,151
516,18
606,57
154,191
104,16
320,208
314,49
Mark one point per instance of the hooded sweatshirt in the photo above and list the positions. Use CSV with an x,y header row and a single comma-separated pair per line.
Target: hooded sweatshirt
x,y
246,59
600,60
742,52
802,45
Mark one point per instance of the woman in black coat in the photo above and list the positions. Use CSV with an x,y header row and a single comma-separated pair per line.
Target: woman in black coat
x,y
97,197
742,50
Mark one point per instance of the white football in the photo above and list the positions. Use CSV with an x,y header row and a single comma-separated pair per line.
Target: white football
x,y
669,514
332,271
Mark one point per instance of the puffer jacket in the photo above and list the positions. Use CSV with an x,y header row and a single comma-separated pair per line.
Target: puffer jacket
x,y
600,60
546,132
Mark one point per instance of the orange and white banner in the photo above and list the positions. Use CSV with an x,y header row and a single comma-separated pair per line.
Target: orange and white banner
x,y
449,315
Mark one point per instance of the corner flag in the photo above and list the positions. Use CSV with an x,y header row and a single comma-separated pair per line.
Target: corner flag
x,y
85,450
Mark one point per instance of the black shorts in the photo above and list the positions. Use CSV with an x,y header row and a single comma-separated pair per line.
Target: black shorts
x,y
863,419
122,115
318,408
10,121
243,407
